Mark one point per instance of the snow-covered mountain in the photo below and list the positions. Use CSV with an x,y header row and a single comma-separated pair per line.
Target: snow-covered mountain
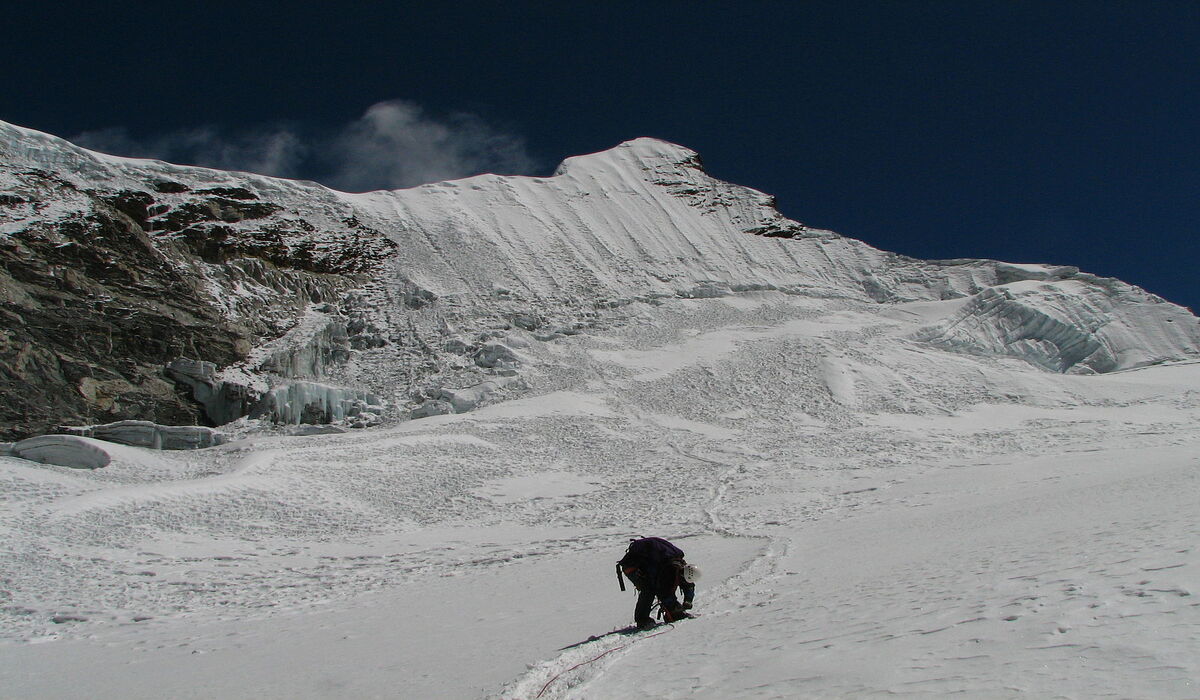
x,y
271,297
900,477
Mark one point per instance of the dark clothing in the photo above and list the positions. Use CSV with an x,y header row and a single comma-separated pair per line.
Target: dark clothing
x,y
653,565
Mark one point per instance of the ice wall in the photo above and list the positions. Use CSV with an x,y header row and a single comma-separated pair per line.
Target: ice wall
x,y
318,342
308,402
642,222
142,433
223,401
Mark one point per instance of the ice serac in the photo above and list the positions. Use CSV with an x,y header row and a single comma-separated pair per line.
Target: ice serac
x,y
311,403
1075,325
142,433
243,285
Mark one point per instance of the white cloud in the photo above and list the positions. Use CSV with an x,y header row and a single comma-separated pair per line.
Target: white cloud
x,y
394,144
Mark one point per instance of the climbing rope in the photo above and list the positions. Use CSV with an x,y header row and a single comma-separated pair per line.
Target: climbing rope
x,y
597,658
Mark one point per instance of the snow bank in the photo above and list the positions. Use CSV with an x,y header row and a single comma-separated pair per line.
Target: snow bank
x,y
63,451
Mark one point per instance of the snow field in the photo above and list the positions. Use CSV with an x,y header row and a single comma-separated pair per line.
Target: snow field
x,y
1060,576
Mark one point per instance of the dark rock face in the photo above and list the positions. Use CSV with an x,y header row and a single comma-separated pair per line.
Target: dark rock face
x,y
91,307
99,290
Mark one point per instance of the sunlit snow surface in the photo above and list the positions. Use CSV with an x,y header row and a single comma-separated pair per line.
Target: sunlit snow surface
x,y
874,516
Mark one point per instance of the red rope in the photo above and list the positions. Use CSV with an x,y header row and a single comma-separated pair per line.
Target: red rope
x,y
584,663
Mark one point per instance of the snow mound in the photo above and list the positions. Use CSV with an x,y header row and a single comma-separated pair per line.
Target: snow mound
x,y
839,379
62,450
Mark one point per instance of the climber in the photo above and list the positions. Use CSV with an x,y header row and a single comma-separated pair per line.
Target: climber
x,y
656,568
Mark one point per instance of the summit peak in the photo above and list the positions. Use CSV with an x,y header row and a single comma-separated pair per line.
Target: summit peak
x,y
640,153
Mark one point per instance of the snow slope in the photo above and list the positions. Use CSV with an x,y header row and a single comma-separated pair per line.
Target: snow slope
x,y
644,221
469,261
875,516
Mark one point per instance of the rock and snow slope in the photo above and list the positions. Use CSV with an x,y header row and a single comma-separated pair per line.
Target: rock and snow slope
x,y
902,477
396,293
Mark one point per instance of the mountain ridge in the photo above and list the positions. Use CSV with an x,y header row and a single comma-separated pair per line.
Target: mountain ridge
x,y
413,295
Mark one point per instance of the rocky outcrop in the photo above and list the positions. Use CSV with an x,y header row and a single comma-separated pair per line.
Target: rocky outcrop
x,y
103,283
91,306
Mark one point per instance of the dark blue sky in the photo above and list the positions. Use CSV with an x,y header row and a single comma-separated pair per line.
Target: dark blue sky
x,y
1053,132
